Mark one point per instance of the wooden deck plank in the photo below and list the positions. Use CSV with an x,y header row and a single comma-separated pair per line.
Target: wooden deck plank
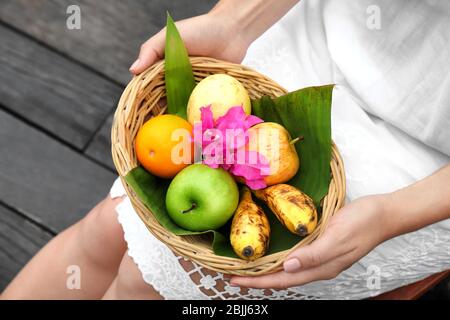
x,y
111,31
19,241
45,180
415,290
51,91
100,147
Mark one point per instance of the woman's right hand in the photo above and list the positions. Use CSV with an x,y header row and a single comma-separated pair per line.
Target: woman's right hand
x,y
213,34
224,33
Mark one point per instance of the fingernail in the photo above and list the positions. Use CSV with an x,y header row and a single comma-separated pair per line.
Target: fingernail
x,y
227,277
292,265
116,196
233,284
135,65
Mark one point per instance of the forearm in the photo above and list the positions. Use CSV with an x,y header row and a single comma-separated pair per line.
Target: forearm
x,y
423,203
253,17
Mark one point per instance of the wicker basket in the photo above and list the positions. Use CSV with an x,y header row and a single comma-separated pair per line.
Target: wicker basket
x,y
144,98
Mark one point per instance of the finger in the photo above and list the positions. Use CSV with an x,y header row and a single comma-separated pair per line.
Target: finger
x,y
282,279
227,277
314,255
151,51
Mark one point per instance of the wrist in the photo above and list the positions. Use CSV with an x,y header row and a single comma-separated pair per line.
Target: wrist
x,y
388,214
385,222
228,14
396,218
416,206
250,19
230,28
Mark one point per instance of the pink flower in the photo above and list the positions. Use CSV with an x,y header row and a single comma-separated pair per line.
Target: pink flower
x,y
223,145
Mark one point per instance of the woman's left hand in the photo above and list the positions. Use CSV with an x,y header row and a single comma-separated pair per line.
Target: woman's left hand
x,y
352,233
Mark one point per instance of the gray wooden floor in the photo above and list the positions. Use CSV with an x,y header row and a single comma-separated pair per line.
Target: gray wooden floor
x,y
58,91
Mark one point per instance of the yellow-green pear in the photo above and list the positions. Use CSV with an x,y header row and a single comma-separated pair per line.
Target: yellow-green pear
x,y
274,142
222,92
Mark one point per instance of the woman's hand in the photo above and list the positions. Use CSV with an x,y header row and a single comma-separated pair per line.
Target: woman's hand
x,y
224,33
213,35
353,232
358,228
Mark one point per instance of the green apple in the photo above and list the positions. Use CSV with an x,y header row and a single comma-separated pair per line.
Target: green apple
x,y
201,198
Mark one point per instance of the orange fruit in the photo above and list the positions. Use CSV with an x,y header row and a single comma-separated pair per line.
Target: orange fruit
x,y
164,145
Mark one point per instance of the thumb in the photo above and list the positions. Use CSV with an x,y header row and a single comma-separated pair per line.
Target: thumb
x,y
313,255
151,51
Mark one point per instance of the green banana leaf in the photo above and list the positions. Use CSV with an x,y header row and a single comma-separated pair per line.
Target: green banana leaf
x,y
179,78
304,113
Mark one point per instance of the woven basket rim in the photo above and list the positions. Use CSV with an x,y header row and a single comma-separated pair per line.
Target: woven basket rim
x,y
144,93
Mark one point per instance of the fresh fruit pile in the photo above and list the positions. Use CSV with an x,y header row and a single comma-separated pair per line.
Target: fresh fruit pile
x,y
222,148
225,164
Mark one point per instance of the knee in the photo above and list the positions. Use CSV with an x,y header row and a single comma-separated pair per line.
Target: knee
x,y
101,232
131,284
105,212
102,219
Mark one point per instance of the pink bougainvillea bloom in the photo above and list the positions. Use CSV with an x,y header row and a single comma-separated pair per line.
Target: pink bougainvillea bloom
x,y
222,141
207,122
253,170
236,118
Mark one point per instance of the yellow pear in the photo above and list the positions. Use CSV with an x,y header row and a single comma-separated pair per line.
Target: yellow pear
x,y
274,142
222,92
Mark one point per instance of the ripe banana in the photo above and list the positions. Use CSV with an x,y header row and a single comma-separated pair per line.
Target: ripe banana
x,y
294,209
250,229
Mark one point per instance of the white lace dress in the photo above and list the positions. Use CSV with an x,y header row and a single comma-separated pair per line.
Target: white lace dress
x,y
390,120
